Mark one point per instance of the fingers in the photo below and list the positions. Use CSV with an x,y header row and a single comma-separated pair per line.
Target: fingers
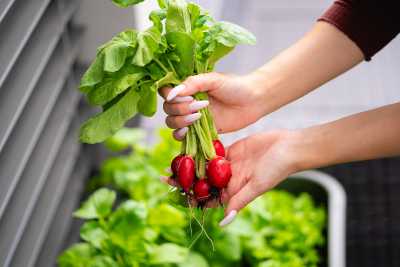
x,y
177,122
182,115
179,99
185,108
179,134
199,83
235,185
182,111
240,200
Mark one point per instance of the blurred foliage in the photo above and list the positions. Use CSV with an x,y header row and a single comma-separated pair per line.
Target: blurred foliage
x,y
150,228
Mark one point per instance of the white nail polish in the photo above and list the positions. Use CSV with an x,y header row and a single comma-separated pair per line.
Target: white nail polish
x,y
180,133
197,105
228,219
192,117
183,99
174,92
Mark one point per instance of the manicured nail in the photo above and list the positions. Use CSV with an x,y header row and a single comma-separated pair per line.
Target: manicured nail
x,y
174,92
168,170
183,99
197,105
180,133
192,117
228,219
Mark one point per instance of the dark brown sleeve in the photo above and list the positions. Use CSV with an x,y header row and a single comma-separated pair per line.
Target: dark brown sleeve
x,y
371,24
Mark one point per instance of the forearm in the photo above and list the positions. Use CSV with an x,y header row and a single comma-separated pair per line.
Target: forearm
x,y
368,135
321,55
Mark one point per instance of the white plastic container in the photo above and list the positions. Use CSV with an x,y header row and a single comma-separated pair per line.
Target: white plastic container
x,y
327,191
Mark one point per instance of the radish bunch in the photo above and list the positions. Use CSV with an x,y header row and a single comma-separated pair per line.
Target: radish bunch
x,y
203,182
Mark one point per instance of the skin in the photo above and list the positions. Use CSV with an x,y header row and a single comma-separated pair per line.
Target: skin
x,y
261,161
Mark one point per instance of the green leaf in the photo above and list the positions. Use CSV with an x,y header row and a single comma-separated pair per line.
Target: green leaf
x,y
228,247
178,17
92,233
167,215
79,255
168,79
125,138
107,123
115,56
162,3
218,52
194,11
184,47
155,71
175,235
116,84
168,253
103,261
128,219
110,57
230,34
126,3
147,105
98,205
148,45
157,16
119,49
194,260
94,74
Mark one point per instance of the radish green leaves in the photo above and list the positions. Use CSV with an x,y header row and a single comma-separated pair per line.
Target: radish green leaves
x,y
129,69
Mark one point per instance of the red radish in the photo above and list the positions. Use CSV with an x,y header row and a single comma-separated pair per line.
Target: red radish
x,y
175,165
219,172
202,190
186,173
219,148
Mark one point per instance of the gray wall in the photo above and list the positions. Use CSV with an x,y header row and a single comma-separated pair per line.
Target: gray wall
x,y
102,20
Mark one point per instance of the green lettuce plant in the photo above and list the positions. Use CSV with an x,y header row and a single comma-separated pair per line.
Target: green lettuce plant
x,y
150,227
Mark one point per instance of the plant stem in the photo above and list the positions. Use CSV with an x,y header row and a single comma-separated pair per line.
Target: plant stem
x,y
172,67
159,63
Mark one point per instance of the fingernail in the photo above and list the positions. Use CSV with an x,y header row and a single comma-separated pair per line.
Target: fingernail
x,y
168,170
228,219
192,117
197,105
182,99
174,92
180,133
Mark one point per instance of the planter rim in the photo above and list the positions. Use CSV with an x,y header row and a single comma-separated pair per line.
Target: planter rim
x,y
336,214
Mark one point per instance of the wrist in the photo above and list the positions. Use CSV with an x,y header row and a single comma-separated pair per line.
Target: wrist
x,y
309,149
269,86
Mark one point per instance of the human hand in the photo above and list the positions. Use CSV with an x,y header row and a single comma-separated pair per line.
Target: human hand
x,y
235,102
259,162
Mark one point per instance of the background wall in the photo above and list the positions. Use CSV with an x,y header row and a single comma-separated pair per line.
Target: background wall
x,y
102,20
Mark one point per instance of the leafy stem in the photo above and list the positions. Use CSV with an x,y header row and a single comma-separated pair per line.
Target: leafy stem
x,y
159,63
172,67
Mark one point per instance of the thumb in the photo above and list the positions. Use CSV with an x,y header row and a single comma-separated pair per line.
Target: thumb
x,y
240,200
194,84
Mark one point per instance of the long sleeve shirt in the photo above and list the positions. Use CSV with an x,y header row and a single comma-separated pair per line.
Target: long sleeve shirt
x,y
370,24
